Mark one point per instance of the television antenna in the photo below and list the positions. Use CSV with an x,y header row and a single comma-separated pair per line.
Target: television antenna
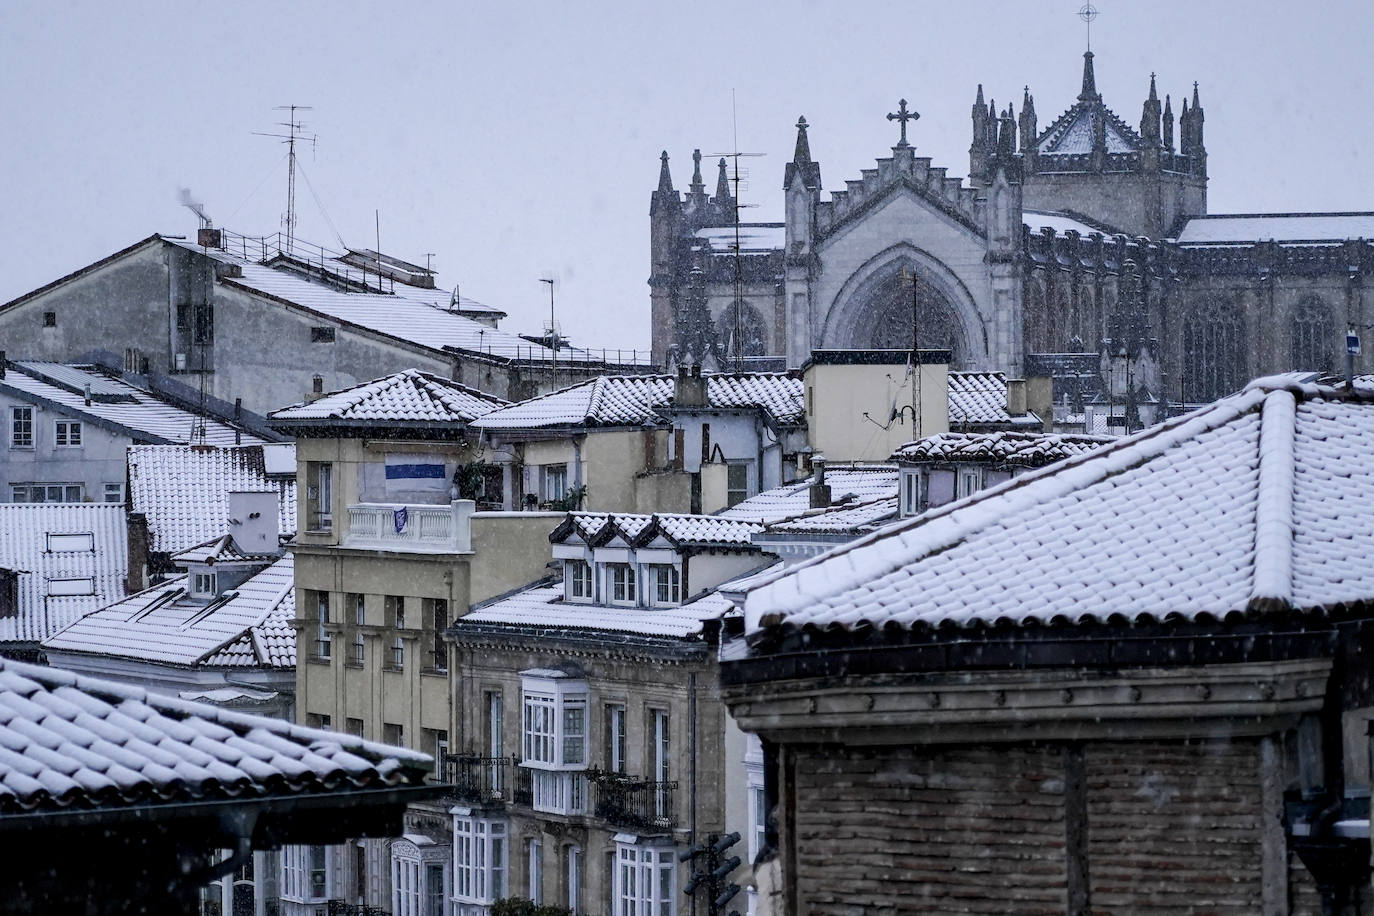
x,y
739,179
295,131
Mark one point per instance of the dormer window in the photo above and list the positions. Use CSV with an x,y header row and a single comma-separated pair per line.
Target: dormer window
x,y
665,585
914,497
204,585
622,583
577,580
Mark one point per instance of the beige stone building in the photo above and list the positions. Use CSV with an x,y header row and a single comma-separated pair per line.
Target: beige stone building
x,y
591,746
386,557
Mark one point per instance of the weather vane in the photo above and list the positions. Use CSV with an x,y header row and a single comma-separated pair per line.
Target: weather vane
x,y
1087,12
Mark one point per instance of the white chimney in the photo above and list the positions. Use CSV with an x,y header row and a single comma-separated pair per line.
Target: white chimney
x,y
253,521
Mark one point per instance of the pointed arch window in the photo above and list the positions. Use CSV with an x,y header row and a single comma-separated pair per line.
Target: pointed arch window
x,y
1311,334
1213,351
1039,324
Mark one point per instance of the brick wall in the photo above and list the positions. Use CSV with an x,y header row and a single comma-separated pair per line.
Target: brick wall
x,y
896,830
1174,828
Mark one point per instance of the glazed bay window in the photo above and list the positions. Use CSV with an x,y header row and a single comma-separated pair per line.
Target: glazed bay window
x,y
645,881
305,874
554,739
479,860
665,585
577,580
622,583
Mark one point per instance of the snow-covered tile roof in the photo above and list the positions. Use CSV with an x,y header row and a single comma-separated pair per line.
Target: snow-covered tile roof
x,y
1259,501
94,562
184,491
248,626
846,519
114,402
74,742
1071,134
409,396
1022,449
632,400
979,399
848,484
543,607
1278,227
638,529
753,237
223,549
1036,220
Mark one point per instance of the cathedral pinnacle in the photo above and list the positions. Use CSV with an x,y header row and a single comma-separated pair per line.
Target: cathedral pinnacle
x,y
1153,96
722,182
665,178
697,185
1196,103
1089,92
802,154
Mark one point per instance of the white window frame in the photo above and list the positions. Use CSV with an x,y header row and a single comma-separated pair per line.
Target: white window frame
x,y
615,737
204,584
645,880
480,859
577,580
664,584
28,440
115,490
622,584
572,878
970,481
736,495
300,866
71,542
553,482
534,870
359,621
554,722
558,792
405,886
324,641
71,586
66,434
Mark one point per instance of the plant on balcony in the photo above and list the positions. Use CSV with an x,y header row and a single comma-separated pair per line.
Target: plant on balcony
x,y
571,501
519,906
471,480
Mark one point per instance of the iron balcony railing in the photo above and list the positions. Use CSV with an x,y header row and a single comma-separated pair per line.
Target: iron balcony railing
x,y
628,801
344,908
487,780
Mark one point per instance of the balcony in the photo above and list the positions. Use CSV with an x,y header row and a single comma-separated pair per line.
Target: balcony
x,y
481,780
409,528
639,804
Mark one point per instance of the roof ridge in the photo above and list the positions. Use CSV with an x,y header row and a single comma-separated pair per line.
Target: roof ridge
x,y
787,588
1273,582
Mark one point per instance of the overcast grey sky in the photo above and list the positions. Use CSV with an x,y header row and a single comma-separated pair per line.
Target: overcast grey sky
x,y
512,139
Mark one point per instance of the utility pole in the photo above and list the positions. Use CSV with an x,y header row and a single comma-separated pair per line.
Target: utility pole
x,y
553,338
915,346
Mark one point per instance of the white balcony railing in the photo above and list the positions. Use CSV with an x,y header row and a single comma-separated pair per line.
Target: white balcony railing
x,y
424,529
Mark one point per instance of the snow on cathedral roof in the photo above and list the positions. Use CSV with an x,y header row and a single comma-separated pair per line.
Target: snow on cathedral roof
x,y
1223,228
633,400
410,396
95,744
1254,504
250,626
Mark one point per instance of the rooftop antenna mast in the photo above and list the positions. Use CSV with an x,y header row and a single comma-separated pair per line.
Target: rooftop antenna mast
x,y
294,132
737,177
553,337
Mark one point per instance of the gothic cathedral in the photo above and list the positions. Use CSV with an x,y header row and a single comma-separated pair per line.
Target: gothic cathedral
x,y
1082,251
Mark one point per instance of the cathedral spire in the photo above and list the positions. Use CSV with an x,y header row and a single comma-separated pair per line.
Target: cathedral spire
x,y
802,154
722,183
1168,125
697,185
665,178
1153,96
1027,124
1196,104
1089,92
1149,117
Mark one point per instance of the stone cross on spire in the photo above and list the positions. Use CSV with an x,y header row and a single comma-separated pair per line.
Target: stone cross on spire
x,y
902,115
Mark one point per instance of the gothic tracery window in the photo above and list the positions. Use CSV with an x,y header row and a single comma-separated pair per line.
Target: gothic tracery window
x,y
1039,333
740,331
886,322
1310,336
1214,358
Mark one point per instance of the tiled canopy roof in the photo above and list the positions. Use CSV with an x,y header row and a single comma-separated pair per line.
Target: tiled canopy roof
x,y
247,626
597,528
1030,450
860,482
223,549
838,520
410,396
978,400
1258,502
70,743
633,400
183,491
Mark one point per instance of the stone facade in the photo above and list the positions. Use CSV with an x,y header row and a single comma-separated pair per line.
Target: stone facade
x,y
1064,242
